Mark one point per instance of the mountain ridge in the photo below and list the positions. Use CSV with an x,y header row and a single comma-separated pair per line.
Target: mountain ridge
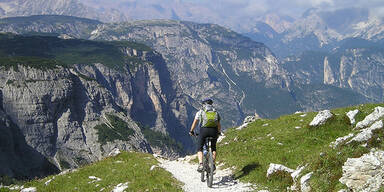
x,y
157,86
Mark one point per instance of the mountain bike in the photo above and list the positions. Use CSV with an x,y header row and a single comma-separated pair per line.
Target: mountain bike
x,y
208,165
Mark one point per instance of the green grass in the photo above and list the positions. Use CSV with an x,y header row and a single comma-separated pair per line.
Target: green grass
x,y
47,52
130,167
251,150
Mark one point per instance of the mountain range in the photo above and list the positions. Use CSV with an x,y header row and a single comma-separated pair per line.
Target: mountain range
x,y
71,87
316,30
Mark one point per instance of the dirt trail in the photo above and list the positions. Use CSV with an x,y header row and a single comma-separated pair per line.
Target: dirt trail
x,y
186,173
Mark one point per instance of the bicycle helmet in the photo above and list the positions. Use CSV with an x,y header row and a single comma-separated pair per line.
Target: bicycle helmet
x,y
208,101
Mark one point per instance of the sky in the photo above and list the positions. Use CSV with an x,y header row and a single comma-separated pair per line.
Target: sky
x,y
230,13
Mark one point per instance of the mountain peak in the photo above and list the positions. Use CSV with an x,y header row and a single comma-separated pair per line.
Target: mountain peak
x,y
58,7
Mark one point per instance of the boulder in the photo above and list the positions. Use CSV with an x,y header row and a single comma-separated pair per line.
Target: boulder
x,y
321,118
369,119
351,115
367,133
365,173
274,168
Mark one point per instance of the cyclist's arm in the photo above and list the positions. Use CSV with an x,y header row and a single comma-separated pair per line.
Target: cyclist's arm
x,y
195,121
219,127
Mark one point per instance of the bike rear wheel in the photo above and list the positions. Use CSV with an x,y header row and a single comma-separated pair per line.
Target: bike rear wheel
x,y
210,169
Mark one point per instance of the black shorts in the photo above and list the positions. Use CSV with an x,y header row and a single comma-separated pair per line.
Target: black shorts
x,y
204,133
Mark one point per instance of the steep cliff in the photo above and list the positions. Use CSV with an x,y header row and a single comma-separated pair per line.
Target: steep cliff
x,y
63,112
210,61
355,65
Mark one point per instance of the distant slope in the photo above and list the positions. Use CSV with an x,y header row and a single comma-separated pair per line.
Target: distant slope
x,y
49,24
290,141
356,65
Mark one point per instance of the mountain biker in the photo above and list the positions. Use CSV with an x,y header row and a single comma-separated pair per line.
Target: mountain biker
x,y
212,130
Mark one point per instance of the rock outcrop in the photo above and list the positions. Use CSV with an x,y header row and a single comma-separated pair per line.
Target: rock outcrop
x,y
374,116
321,118
351,115
364,173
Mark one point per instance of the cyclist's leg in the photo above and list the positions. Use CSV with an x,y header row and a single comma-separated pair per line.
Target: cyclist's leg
x,y
200,144
212,132
214,152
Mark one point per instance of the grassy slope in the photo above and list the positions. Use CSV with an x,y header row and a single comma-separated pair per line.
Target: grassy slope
x,y
129,167
252,149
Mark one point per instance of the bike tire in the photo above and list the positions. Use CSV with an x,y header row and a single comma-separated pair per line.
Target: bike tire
x,y
210,170
203,172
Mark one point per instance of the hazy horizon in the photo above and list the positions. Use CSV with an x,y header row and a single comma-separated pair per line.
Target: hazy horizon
x,y
236,14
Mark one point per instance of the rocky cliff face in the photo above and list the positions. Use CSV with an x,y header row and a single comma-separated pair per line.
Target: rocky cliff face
x,y
355,65
359,69
207,61
65,117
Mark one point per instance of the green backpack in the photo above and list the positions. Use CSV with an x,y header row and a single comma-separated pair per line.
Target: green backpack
x,y
210,119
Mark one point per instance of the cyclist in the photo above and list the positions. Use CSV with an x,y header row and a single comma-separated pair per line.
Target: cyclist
x,y
208,120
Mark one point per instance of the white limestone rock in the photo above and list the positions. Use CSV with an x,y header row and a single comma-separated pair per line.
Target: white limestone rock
x,y
297,172
365,173
29,189
274,168
120,187
340,140
242,126
94,179
249,119
304,182
49,181
367,133
369,119
351,115
114,152
321,118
